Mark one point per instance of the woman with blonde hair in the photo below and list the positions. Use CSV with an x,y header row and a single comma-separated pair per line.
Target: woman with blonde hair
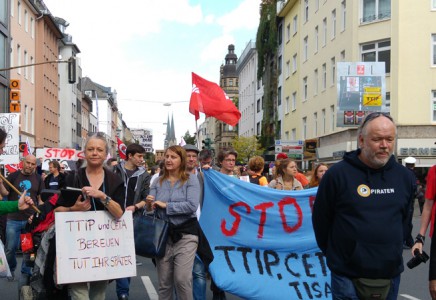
x,y
175,198
285,180
318,173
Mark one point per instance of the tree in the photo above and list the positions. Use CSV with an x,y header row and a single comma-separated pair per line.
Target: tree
x,y
190,139
246,147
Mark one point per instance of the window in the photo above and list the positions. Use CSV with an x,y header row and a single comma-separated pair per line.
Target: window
x,y
343,15
279,65
288,68
333,74
26,23
25,63
19,12
323,120
324,77
258,132
316,5
324,31
12,9
332,114
288,33
293,134
258,105
287,105
306,11
280,29
279,96
374,10
32,70
433,49
305,48
230,82
32,27
305,91
315,82
433,4
19,58
294,101
388,99
343,55
380,51
433,106
25,118
294,63
333,23
316,39
304,128
295,25
287,135
315,124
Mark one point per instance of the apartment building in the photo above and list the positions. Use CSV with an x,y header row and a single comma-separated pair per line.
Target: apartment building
x,y
317,34
250,92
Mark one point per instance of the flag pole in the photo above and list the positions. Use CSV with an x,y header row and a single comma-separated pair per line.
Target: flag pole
x,y
196,133
17,191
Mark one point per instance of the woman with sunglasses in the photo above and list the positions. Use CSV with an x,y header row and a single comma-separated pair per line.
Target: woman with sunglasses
x,y
104,191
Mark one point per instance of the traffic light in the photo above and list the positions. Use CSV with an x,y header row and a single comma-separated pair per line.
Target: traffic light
x,y
72,70
207,142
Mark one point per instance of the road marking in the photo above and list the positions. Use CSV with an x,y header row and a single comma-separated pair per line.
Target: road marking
x,y
151,291
409,297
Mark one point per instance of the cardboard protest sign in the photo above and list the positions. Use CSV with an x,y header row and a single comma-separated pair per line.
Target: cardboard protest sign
x,y
10,123
65,156
262,240
93,246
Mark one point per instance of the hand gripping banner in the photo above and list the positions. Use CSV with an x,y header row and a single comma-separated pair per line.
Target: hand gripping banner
x,y
262,240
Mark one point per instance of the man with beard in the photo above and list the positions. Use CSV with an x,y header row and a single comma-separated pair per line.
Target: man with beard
x,y
360,215
25,179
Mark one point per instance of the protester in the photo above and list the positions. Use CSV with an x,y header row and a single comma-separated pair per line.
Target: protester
x,y
202,260
255,165
158,173
227,160
360,213
285,180
428,217
174,197
111,162
299,176
25,179
55,180
104,190
137,183
318,173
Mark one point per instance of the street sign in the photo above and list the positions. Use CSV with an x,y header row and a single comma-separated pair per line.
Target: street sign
x,y
289,143
14,107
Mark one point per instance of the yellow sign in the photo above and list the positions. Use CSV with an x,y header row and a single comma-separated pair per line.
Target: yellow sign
x,y
15,95
14,84
372,89
14,107
372,99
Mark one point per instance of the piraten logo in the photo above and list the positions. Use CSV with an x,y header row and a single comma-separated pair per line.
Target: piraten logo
x,y
363,190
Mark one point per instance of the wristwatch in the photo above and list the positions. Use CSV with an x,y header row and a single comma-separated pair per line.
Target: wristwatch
x,y
420,239
106,201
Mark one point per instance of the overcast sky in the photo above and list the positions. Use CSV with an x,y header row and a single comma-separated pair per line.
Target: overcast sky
x,y
147,49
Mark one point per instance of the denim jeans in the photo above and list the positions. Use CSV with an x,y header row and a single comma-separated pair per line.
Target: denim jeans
x,y
343,288
199,279
13,231
122,287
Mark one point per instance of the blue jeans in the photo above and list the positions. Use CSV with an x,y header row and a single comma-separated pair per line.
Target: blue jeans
x,y
13,231
199,279
123,286
343,288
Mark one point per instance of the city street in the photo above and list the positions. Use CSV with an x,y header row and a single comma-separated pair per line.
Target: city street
x,y
414,283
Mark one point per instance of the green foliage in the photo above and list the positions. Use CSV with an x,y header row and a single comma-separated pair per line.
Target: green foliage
x,y
190,139
266,37
246,147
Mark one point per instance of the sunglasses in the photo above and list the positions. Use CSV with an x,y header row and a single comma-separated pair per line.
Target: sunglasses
x,y
375,115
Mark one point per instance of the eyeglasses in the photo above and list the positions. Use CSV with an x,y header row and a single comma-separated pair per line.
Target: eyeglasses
x,y
375,115
230,160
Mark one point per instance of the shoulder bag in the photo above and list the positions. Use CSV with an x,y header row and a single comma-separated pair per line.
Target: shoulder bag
x,y
151,234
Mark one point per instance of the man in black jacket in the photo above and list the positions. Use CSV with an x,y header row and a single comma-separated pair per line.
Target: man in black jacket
x,y
361,211
137,184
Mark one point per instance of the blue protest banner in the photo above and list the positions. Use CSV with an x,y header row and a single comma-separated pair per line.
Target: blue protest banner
x,y
262,240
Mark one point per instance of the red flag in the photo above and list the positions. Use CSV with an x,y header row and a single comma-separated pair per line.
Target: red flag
x,y
121,148
26,150
14,167
207,97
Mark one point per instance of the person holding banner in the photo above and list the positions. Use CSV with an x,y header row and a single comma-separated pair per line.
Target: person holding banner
x,y
286,170
104,190
360,215
175,198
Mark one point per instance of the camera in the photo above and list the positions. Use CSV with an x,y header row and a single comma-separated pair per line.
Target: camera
x,y
419,258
